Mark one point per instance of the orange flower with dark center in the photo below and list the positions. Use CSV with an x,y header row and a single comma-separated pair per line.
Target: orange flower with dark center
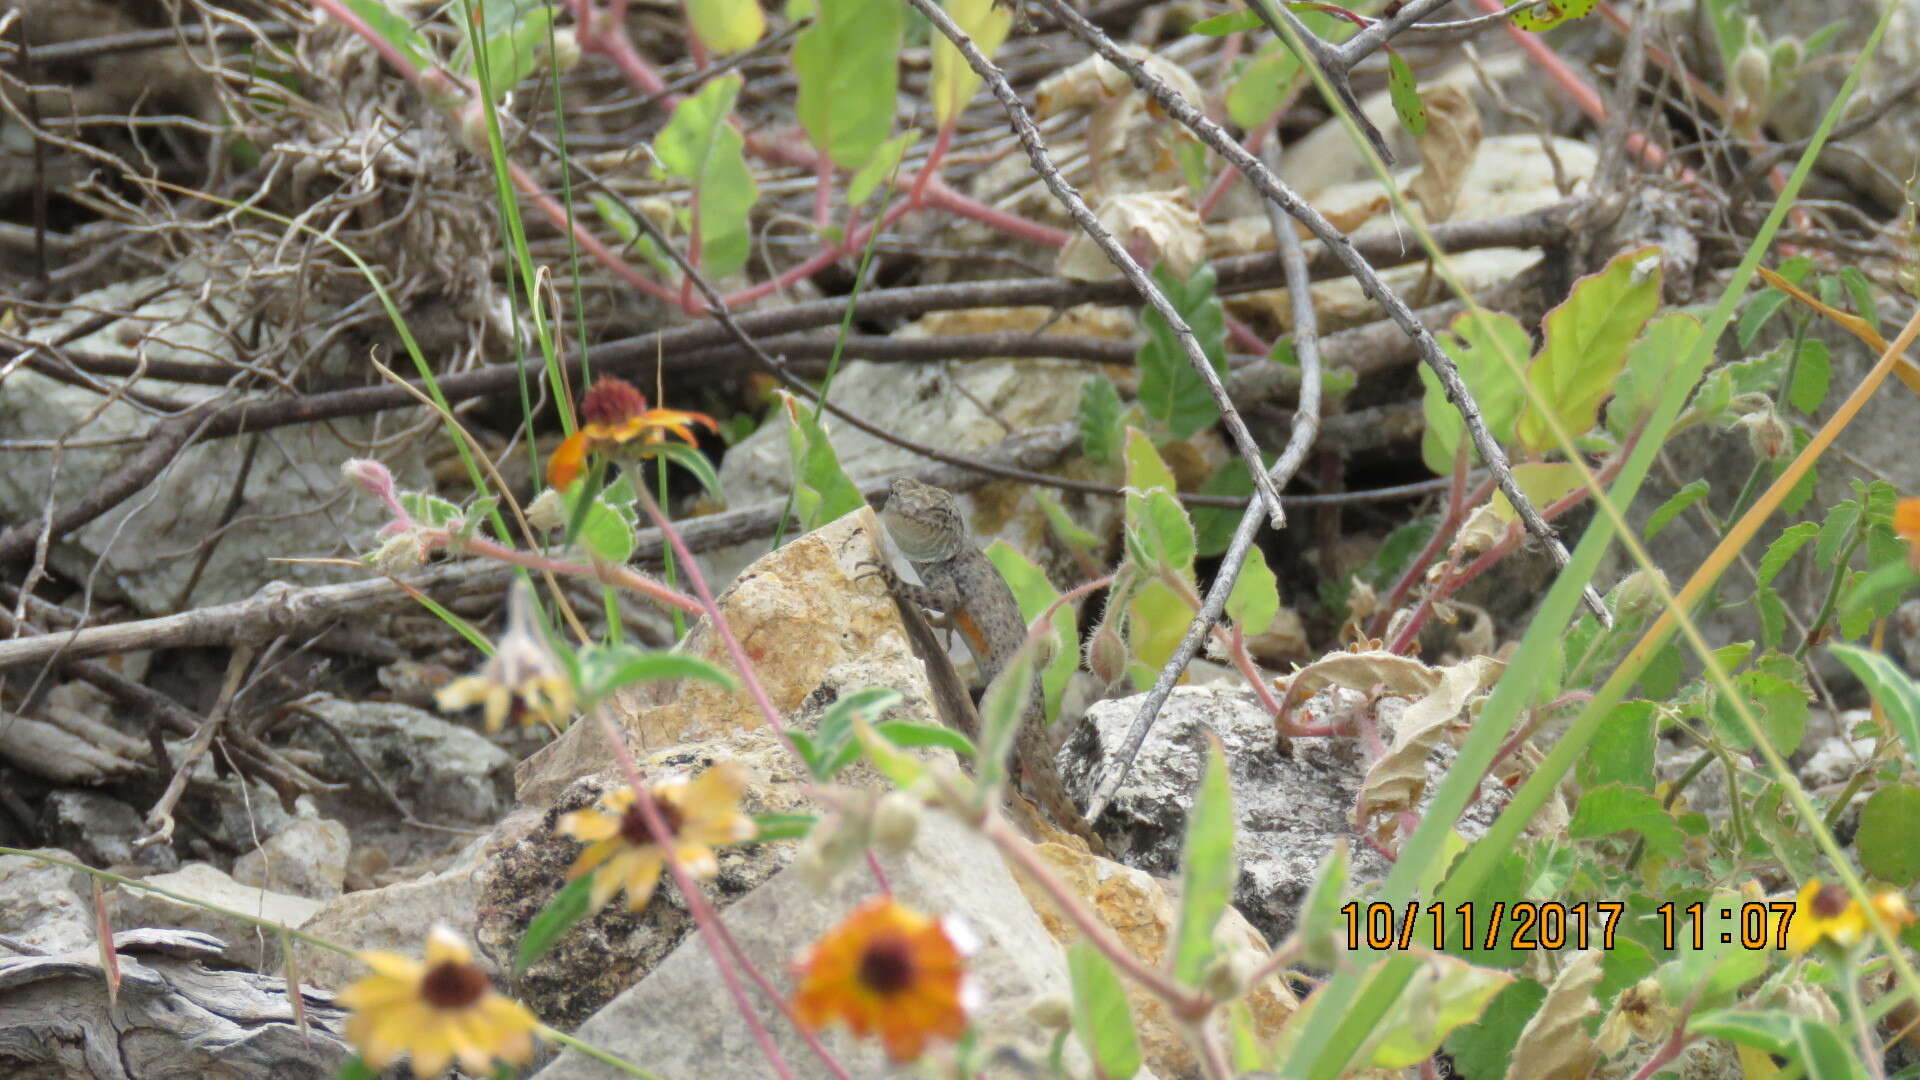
x,y
889,970
438,1011
621,853
1906,522
613,414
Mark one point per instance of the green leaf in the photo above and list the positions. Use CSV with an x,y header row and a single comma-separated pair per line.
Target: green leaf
x,y
726,26
515,52
1772,613
1233,22
1481,345
953,83
1405,93
607,533
1676,504
833,735
1783,549
700,146
1861,289
1485,1047
848,66
1648,359
1255,599
1101,432
1262,86
1616,808
771,827
1319,924
1816,1047
1622,749
1447,994
355,1069
606,668
396,29
906,734
1101,1018
1171,391
1157,619
1778,705
1158,532
1065,529
1892,689
1548,14
822,491
1035,594
1214,526
567,907
621,220
1885,839
1836,532
691,459
1001,712
880,166
1208,869
1585,347
1812,374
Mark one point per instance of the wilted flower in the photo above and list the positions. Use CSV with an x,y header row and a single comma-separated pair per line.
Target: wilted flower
x,y
437,1011
524,679
612,414
891,970
620,849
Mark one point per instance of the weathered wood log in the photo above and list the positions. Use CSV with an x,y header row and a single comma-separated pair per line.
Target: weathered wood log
x,y
175,1017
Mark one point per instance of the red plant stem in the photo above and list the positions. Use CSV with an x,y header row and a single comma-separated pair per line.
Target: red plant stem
x,y
1509,540
589,243
1228,174
822,192
619,576
1242,335
932,166
1457,502
941,197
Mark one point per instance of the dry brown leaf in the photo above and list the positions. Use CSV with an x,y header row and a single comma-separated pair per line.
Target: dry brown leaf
x,y
1447,150
1154,226
1555,1045
1361,672
1399,778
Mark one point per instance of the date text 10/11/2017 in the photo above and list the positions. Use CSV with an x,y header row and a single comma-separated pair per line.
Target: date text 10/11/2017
x,y
1528,924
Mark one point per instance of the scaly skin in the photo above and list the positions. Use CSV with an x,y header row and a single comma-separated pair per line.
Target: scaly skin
x,y
961,583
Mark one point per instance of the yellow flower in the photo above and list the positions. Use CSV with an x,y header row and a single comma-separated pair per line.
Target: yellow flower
x,y
1824,912
611,414
438,1011
891,970
1906,522
620,849
524,679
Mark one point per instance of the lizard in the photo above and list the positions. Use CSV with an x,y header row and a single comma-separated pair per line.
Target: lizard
x,y
960,582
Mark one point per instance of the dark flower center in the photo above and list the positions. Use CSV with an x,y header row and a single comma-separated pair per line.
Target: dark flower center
x,y
611,402
1830,901
633,824
454,986
886,965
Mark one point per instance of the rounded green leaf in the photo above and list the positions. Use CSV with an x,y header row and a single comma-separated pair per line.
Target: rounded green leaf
x,y
1885,839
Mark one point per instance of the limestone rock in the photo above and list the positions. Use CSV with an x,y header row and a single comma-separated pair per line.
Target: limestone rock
x,y
1289,809
246,945
1143,913
395,918
43,906
448,774
307,858
100,830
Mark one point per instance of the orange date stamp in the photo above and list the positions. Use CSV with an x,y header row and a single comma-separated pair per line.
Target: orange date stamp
x,y
1526,924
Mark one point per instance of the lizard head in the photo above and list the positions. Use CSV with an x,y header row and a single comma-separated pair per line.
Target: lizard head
x,y
924,521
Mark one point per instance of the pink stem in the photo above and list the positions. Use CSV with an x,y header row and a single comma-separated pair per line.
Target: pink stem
x,y
941,197
932,167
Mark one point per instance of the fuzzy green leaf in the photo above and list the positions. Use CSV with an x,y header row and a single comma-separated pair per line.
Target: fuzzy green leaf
x,y
727,26
567,907
1208,869
700,146
848,67
1783,549
1481,346
1255,599
1585,347
1892,689
1101,1018
1405,92
1172,392
1676,504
